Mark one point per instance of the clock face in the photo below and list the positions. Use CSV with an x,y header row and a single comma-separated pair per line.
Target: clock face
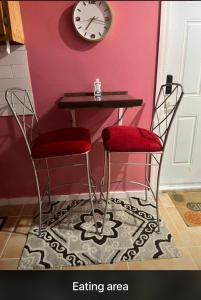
x,y
92,19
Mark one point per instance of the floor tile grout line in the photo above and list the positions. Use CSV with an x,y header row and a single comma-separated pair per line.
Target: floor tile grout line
x,y
3,248
17,219
127,266
193,246
172,222
12,258
180,219
177,231
193,259
179,215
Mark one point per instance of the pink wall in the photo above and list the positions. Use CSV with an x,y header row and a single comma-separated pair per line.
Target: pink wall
x,y
61,62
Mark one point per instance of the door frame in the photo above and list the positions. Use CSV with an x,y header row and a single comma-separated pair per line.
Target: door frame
x,y
160,79
160,76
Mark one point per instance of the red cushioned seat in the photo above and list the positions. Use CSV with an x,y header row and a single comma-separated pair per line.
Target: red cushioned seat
x,y
61,142
130,139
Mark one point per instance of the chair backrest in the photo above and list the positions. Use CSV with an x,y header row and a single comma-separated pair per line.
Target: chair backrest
x,y
22,108
165,108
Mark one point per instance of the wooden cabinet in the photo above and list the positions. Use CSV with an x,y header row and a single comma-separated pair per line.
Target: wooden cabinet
x,y
10,22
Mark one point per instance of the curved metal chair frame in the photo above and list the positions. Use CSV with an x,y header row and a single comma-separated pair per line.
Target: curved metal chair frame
x,y
21,106
168,103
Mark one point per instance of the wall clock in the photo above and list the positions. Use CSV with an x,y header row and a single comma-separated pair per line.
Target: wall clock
x,y
92,19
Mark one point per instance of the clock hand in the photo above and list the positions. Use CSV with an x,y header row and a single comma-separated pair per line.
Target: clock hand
x,y
90,22
99,22
97,19
85,20
102,21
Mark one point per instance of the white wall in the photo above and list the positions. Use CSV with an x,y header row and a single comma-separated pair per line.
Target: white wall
x,y
14,72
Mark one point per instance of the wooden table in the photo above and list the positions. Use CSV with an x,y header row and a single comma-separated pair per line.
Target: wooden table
x,y
116,99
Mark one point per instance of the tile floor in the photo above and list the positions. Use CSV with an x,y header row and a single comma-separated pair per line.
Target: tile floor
x,y
187,239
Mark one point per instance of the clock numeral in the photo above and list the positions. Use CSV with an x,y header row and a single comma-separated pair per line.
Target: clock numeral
x,y
92,2
77,19
105,27
100,3
85,33
92,36
79,10
84,3
80,27
100,34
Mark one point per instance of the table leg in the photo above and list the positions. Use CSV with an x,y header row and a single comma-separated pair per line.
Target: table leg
x,y
72,111
120,113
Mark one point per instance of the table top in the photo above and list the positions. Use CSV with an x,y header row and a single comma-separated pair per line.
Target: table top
x,y
114,99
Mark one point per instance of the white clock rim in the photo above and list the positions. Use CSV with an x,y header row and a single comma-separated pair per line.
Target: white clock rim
x,y
88,39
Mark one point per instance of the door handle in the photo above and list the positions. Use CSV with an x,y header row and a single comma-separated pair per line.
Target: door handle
x,y
169,79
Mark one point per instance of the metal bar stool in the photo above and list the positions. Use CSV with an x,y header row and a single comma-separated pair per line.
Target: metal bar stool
x,y
42,147
127,139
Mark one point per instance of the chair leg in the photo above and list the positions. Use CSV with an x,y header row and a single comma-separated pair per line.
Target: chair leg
x,y
49,182
39,198
157,212
157,192
103,177
90,190
93,186
40,218
145,176
108,188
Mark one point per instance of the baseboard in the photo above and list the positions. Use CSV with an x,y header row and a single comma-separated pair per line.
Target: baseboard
x,y
117,194
171,187
32,200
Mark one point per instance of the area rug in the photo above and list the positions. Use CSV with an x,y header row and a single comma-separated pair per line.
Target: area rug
x,y
68,237
188,205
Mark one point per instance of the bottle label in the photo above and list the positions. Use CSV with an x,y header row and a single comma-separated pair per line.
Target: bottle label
x,y
97,98
97,90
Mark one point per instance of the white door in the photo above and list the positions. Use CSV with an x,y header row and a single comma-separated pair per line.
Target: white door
x,y
180,56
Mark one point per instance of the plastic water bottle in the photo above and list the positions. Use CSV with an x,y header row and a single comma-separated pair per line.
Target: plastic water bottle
x,y
97,90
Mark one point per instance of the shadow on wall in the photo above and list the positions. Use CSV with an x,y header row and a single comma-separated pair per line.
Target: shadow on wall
x,y
68,33
14,151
